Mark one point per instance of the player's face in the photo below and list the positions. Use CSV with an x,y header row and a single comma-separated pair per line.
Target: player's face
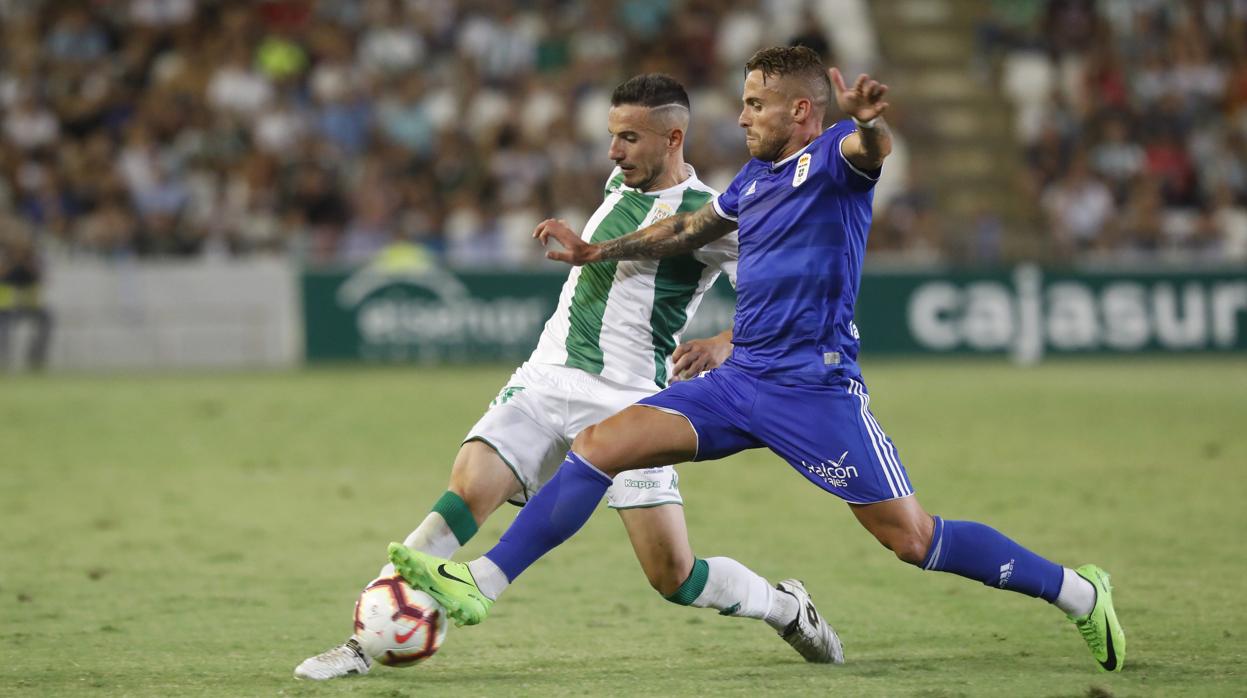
x,y
766,116
638,145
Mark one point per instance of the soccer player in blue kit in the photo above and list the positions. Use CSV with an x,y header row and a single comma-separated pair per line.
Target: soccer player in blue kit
x,y
792,384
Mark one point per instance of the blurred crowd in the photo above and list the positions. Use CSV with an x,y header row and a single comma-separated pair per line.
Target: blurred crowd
x,y
1133,114
329,130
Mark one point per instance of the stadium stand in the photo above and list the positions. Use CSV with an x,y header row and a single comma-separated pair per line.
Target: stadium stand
x,y
188,129
1131,116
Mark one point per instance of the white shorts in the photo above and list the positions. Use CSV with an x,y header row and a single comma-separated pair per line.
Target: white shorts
x,y
541,409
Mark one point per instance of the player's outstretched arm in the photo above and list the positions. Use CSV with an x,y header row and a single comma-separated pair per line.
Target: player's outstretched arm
x,y
872,142
677,234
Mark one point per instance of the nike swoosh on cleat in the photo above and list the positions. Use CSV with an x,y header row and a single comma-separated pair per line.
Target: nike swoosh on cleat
x,y
1111,663
441,569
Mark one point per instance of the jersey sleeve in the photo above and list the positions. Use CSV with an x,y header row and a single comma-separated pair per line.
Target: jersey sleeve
x,y
721,254
843,171
726,204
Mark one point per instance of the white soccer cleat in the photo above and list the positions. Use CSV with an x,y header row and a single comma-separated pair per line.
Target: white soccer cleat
x,y
344,660
809,634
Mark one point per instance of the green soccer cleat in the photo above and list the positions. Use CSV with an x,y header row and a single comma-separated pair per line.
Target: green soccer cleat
x,y
451,583
1100,628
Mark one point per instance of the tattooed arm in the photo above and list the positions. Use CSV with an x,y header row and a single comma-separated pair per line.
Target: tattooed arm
x,y
677,234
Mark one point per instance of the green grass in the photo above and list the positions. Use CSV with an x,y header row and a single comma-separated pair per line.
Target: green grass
x,y
201,535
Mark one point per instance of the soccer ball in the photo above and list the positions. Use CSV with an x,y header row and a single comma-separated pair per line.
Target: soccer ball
x,y
398,625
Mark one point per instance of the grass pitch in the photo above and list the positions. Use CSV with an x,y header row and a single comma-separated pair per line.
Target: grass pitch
x,y
202,535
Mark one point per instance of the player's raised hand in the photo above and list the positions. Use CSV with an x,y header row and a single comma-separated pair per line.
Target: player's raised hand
x,y
575,251
864,100
697,355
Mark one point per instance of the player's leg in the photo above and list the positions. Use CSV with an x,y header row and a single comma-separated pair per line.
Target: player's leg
x,y
660,540
480,482
971,549
481,479
637,437
965,548
504,456
687,420
980,552
829,435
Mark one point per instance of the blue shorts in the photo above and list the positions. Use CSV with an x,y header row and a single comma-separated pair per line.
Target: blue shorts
x,y
825,432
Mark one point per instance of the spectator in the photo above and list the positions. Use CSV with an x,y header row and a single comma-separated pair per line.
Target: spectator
x,y
236,87
1229,223
1078,207
1116,157
20,302
29,125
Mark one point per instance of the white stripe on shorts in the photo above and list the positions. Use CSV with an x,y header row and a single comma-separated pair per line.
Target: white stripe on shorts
x,y
890,450
885,450
875,444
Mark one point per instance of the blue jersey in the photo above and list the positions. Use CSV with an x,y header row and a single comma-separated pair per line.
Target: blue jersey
x,y
803,226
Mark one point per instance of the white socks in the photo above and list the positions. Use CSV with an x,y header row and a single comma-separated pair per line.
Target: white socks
x,y
736,590
489,578
432,536
1077,596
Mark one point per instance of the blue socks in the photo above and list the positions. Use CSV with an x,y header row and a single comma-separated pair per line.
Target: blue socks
x,y
552,516
981,552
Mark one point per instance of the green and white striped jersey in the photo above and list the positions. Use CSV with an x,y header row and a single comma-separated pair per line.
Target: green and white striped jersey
x,y
622,320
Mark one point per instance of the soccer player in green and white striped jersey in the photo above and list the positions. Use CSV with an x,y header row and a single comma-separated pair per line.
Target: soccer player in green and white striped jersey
x,y
612,341
621,321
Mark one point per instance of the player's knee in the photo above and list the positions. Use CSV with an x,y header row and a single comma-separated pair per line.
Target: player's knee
x,y
666,580
593,448
909,545
911,549
666,576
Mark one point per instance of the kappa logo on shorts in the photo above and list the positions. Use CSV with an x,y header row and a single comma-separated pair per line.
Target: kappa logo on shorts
x,y
642,484
833,472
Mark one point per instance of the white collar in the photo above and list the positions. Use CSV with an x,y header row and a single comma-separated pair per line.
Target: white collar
x,y
688,170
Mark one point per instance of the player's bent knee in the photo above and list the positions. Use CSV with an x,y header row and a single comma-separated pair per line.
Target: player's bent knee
x,y
665,581
908,545
669,575
589,447
913,549
599,449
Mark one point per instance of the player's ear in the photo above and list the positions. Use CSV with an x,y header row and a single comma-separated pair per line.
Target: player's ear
x,y
675,138
801,109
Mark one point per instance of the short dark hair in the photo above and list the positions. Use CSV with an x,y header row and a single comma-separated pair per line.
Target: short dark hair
x,y
650,90
793,61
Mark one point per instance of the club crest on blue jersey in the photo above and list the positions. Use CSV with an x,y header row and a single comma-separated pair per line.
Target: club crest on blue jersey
x,y
802,171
